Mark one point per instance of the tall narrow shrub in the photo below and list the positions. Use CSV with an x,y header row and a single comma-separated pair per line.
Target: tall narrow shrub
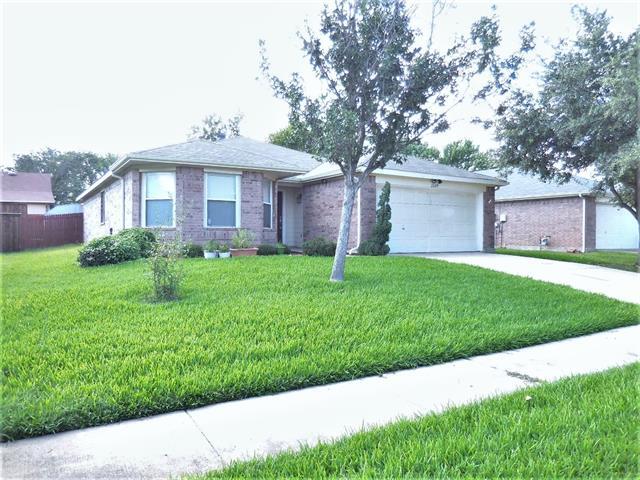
x,y
377,244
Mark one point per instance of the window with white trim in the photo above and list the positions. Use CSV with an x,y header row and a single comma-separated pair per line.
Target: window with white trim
x,y
158,194
267,203
222,195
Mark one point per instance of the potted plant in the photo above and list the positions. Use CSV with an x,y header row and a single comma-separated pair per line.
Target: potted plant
x,y
211,249
224,252
241,244
282,248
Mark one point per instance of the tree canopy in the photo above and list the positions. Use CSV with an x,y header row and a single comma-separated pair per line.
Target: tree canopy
x,y
71,172
214,128
584,115
465,154
384,86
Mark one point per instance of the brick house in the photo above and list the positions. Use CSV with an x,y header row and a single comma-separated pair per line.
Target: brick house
x,y
569,215
211,189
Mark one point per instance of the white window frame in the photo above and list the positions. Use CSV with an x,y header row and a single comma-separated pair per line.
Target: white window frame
x,y
270,203
238,178
143,198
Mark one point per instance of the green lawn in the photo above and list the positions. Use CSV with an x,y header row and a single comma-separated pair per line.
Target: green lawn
x,y
84,347
619,260
583,427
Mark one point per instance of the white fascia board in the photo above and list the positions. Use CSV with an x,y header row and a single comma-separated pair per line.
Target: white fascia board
x,y
429,176
543,197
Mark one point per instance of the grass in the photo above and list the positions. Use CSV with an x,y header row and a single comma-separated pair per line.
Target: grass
x,y
582,427
83,347
619,260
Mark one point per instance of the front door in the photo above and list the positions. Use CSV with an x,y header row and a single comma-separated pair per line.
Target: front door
x,y
279,205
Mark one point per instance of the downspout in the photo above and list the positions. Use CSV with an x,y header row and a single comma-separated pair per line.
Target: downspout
x,y
123,191
584,222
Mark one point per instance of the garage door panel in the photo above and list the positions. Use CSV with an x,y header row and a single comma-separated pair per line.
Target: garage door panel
x,y
430,220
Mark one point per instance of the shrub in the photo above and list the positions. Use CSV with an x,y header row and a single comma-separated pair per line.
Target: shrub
x,y
283,249
145,239
242,239
211,246
108,250
266,249
223,248
319,247
377,244
166,271
193,250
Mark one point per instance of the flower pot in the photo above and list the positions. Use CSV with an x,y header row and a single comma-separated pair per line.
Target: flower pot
x,y
210,254
281,250
225,254
244,252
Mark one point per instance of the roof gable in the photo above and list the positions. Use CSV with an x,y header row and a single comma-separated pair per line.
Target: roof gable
x,y
25,187
522,186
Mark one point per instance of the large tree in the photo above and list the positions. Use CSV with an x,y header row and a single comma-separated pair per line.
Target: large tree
x,y
384,86
214,128
71,172
465,154
584,114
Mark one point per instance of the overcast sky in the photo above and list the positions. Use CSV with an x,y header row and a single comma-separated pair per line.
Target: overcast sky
x,y
120,77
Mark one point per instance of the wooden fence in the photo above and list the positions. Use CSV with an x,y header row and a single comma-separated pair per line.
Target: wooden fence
x,y
21,232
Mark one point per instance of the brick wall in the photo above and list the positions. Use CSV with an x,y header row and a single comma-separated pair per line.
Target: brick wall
x,y
113,212
488,219
322,207
560,218
590,224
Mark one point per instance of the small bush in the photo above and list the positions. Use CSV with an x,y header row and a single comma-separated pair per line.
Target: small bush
x,y
166,271
242,239
319,247
283,249
373,248
211,246
145,239
223,248
266,249
193,250
108,250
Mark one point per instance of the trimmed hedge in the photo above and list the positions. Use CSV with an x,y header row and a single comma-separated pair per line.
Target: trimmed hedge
x,y
266,249
319,247
129,244
193,250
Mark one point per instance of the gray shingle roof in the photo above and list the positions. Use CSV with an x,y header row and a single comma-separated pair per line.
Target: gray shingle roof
x,y
23,187
522,185
232,152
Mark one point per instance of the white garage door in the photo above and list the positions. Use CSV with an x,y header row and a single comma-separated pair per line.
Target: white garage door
x,y
615,228
432,220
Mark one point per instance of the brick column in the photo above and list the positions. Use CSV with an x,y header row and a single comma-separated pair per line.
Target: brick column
x,y
488,219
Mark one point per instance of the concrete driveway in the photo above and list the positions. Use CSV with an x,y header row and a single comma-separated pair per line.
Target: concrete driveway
x,y
613,283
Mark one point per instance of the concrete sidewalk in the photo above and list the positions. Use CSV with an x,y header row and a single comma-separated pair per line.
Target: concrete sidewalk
x,y
211,437
613,283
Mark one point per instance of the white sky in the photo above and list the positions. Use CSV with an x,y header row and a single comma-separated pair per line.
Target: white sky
x,y
119,77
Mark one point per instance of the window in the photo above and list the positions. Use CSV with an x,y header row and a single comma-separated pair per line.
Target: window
x,y
267,203
158,193
222,193
102,208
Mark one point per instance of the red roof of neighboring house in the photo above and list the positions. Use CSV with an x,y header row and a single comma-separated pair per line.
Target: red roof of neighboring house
x,y
22,187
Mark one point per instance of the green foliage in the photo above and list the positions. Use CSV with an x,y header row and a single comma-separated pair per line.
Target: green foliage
x,y
165,269
283,249
223,248
585,114
319,247
377,244
422,150
90,333
193,250
128,244
211,246
213,128
266,249
619,260
296,136
504,437
72,172
465,154
242,239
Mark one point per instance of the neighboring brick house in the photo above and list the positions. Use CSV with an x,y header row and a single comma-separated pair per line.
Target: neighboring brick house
x,y
25,193
569,216
209,190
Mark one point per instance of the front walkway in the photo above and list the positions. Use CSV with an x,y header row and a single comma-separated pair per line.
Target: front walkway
x,y
210,437
613,283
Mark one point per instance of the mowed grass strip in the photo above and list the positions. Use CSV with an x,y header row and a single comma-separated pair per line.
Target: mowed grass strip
x,y
618,260
83,347
583,427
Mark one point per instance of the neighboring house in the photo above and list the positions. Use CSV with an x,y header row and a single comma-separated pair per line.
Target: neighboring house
x,y
67,209
210,189
25,193
570,215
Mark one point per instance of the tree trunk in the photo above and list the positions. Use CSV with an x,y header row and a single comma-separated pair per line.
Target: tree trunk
x,y
350,190
638,215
